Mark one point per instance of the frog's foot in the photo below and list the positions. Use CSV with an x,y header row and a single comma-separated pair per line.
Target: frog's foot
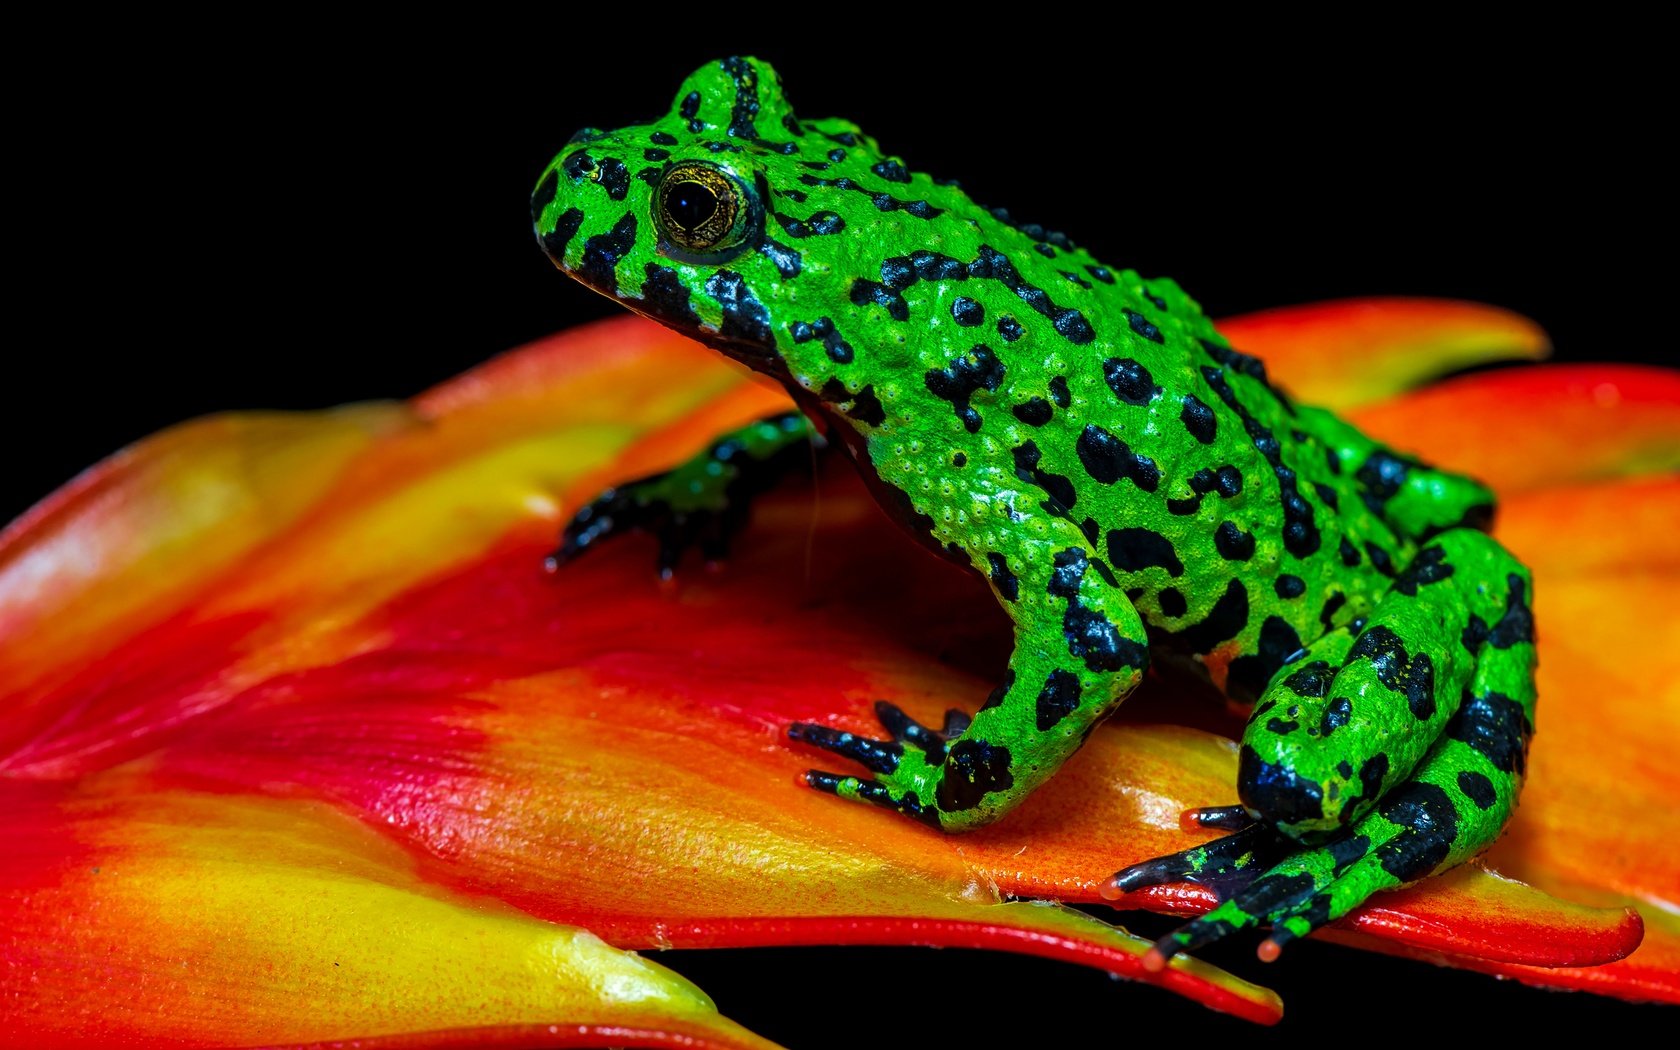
x,y
638,506
703,502
1427,825
974,770
906,767
1294,897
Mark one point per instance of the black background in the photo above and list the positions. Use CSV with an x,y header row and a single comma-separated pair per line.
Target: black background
x,y
297,216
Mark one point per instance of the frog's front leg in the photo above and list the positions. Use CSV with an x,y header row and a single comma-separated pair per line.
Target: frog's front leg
x,y
1383,753
1079,649
704,501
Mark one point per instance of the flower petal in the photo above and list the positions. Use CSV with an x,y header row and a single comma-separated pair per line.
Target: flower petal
x,y
562,745
300,637
389,647
172,916
1355,351
1597,822
134,540
1526,428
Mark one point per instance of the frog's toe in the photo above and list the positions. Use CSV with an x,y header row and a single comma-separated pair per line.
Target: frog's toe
x,y
880,756
883,756
612,511
906,767
907,730
1292,904
1225,865
873,792
634,506
1216,818
714,534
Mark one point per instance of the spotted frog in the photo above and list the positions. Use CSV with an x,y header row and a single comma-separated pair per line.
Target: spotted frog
x,y
1131,487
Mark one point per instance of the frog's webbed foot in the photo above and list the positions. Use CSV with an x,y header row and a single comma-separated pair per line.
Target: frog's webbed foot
x,y
1418,829
703,502
1259,883
637,506
906,794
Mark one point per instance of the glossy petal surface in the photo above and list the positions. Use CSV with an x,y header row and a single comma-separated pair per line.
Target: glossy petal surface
x,y
1533,428
1351,352
170,917
310,667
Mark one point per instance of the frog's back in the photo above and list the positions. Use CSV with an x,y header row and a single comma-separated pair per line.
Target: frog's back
x,y
1225,512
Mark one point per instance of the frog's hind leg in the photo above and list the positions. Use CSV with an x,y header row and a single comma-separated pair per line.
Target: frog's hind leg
x,y
1388,751
704,501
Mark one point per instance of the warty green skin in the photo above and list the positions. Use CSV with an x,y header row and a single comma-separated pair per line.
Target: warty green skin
x,y
1129,484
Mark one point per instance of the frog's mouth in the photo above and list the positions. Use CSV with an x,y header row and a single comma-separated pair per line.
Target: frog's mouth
x,y
755,347
743,330
743,334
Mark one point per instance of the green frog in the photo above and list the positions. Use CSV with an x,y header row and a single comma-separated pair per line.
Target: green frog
x,y
1131,486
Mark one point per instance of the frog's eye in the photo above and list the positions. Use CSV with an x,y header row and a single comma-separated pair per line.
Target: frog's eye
x,y
700,208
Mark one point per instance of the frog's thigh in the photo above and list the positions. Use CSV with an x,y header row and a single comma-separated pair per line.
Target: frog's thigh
x,y
1353,716
1453,807
1450,807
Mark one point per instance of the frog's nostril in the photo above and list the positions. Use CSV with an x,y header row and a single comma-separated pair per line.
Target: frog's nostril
x,y
579,165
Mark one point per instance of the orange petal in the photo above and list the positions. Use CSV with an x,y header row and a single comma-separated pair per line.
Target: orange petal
x,y
562,744
135,915
1526,428
1597,819
1355,351
1605,529
135,539
1652,974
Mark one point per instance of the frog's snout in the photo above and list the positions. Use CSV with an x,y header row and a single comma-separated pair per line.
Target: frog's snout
x,y
580,182
547,188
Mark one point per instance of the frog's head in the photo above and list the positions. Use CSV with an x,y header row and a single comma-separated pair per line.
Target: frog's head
x,y
732,220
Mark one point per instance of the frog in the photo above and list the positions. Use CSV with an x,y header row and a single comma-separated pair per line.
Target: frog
x,y
1132,488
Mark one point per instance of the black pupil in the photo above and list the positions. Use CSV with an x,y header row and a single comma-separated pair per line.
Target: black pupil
x,y
691,204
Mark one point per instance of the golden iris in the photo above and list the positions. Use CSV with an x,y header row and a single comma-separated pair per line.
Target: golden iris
x,y
698,207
